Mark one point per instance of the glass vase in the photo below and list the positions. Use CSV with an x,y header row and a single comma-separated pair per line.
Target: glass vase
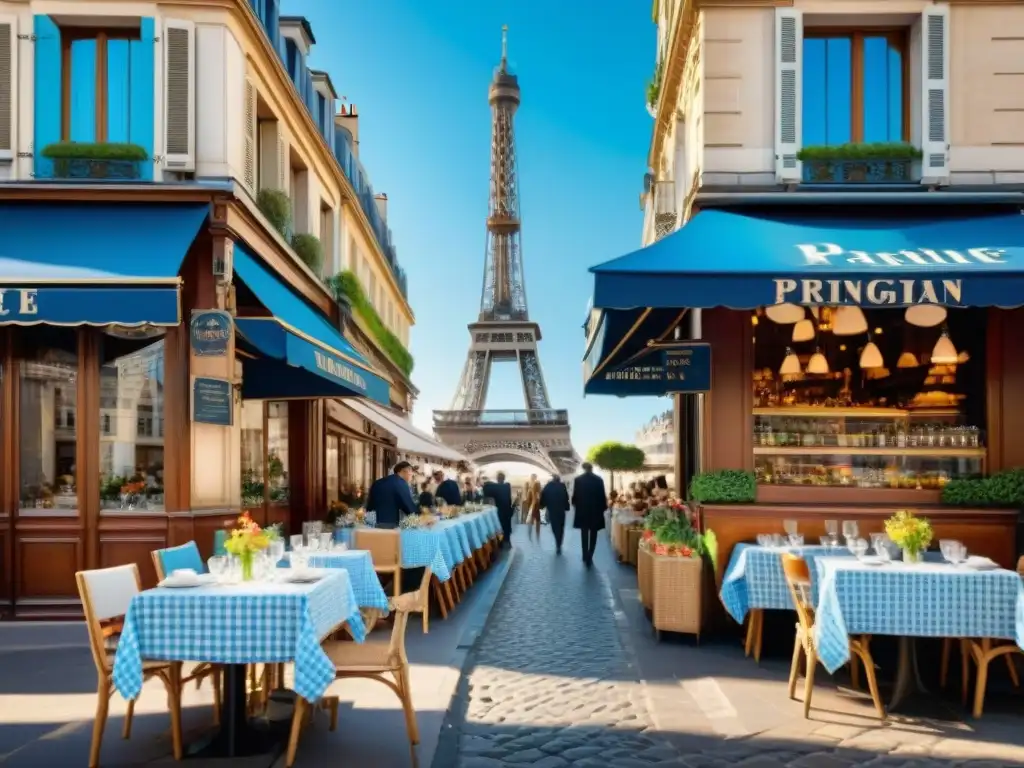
x,y
911,555
246,560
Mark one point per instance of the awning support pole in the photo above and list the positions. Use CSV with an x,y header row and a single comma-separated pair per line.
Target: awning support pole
x,y
689,424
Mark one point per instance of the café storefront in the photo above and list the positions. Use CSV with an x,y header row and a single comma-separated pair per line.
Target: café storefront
x,y
150,354
861,359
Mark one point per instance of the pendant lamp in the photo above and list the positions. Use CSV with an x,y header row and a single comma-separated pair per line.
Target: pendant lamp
x,y
791,365
944,351
817,363
907,360
803,331
849,321
785,314
871,356
963,357
925,315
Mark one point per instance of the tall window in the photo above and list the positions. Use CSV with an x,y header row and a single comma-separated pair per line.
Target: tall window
x,y
132,423
855,87
98,67
253,477
277,452
333,479
48,399
357,457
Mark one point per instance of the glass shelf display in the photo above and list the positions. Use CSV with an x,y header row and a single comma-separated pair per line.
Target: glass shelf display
x,y
864,447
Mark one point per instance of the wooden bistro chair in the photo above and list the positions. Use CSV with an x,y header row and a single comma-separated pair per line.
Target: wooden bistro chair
x,y
385,548
165,562
106,594
382,660
982,653
798,579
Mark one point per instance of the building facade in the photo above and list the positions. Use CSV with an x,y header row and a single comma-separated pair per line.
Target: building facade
x,y
204,308
656,439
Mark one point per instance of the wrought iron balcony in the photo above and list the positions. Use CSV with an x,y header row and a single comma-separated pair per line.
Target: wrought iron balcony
x,y
547,417
664,202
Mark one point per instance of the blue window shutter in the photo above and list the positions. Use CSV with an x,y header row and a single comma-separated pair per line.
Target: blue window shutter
x,y
47,93
141,120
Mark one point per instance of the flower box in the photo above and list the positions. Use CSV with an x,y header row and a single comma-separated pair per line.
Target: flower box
x,y
633,535
862,171
676,586
644,576
107,170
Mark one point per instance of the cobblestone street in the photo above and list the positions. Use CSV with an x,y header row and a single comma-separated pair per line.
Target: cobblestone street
x,y
556,681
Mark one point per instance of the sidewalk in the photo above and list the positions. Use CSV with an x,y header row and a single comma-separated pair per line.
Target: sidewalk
x,y
48,697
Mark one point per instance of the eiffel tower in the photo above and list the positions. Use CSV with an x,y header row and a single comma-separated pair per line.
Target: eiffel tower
x,y
503,332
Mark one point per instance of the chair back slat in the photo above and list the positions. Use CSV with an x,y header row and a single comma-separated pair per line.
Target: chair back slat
x,y
798,579
403,605
185,556
385,547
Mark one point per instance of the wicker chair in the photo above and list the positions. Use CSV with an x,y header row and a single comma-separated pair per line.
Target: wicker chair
x,y
798,578
374,660
106,594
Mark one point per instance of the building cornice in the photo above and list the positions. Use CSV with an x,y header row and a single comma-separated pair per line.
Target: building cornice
x,y
672,77
242,12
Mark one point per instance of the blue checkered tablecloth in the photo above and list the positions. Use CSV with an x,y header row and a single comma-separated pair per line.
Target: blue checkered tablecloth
x,y
359,565
924,600
253,622
754,578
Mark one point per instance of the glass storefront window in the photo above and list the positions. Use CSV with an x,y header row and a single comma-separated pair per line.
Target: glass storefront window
x,y
48,402
875,398
333,479
277,452
355,484
253,480
132,423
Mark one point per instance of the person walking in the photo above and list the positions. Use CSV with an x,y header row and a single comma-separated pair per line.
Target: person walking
x,y
532,505
589,501
555,499
501,493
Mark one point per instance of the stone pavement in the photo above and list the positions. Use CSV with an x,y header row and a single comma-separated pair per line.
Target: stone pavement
x,y
567,673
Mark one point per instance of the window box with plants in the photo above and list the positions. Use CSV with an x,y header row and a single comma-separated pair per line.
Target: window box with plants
x,y
882,163
654,89
347,291
99,161
671,578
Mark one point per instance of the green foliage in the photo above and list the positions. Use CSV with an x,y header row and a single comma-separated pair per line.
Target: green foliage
x,y
110,489
309,249
82,150
275,205
1003,489
711,548
654,85
889,150
656,518
726,486
347,290
617,457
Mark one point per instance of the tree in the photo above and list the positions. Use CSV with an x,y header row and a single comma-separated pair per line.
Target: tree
x,y
615,457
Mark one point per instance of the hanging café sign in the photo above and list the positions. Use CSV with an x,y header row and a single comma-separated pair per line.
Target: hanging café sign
x,y
881,291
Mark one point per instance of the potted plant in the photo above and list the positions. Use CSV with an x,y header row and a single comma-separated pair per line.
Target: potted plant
x,y
654,89
873,163
109,161
910,533
726,486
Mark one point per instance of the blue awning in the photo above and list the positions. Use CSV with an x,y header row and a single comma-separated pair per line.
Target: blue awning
x,y
92,264
745,261
302,354
618,336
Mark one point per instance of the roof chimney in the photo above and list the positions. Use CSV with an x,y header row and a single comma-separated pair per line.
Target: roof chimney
x,y
382,206
347,120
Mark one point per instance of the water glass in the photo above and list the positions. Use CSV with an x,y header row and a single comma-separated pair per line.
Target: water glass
x,y
326,541
276,551
790,527
858,547
218,566
796,540
296,541
764,540
850,530
826,541
832,528
878,542
371,519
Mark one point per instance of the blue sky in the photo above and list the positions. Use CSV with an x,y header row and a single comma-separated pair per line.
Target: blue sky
x,y
418,72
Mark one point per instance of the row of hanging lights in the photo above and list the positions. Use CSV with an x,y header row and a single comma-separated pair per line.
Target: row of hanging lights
x,y
850,321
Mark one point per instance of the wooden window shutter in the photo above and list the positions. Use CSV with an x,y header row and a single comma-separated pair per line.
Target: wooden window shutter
x,y
249,149
789,45
935,96
179,38
9,88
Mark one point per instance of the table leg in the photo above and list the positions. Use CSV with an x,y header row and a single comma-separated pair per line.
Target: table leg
x,y
908,674
238,736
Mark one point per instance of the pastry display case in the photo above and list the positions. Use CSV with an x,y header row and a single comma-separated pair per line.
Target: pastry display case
x,y
865,447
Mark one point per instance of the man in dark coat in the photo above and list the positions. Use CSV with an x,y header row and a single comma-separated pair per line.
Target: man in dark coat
x,y
501,493
391,497
469,492
590,502
447,489
555,499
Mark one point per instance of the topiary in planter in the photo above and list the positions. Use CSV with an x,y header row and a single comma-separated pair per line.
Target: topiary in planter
x,y
310,250
275,205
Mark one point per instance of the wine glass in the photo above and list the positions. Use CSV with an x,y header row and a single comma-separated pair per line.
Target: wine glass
x,y
850,530
218,565
858,547
790,527
764,540
326,540
878,542
948,549
796,540
276,551
297,541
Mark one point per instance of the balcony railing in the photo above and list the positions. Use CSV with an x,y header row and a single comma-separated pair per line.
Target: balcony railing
x,y
547,417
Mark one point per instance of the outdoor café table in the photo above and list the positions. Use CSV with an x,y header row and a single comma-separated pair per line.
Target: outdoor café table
x,y
754,582
235,625
358,563
908,601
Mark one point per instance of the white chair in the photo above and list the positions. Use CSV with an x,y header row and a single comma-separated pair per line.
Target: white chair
x,y
106,594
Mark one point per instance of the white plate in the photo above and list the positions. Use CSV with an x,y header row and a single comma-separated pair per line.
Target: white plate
x,y
872,560
199,580
981,564
303,578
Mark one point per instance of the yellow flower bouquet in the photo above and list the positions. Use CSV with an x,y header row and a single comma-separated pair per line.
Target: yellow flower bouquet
x,y
910,533
245,541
